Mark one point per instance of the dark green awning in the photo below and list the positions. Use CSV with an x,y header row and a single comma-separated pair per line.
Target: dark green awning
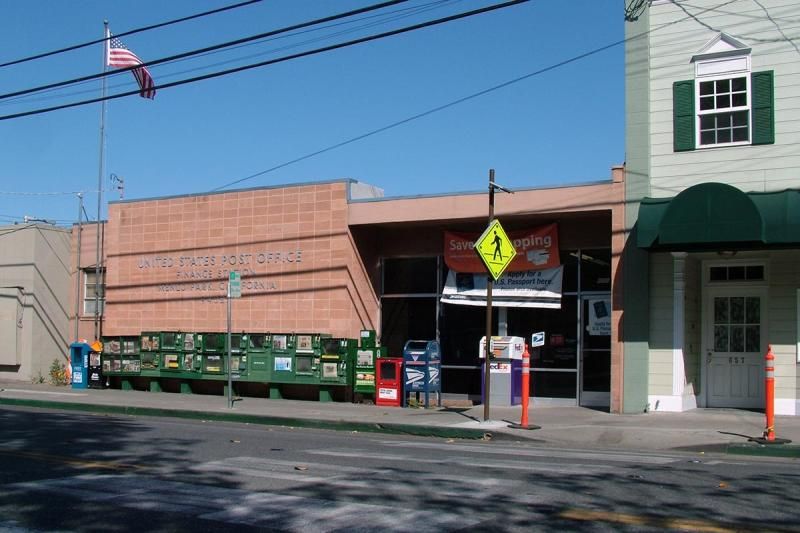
x,y
718,216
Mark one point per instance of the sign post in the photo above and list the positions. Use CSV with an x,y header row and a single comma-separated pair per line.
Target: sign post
x,y
496,251
234,291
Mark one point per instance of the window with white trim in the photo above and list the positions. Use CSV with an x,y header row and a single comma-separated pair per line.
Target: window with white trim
x,y
726,104
90,284
723,111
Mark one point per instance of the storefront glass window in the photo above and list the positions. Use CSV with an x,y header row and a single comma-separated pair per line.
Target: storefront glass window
x,y
561,333
554,385
570,279
596,270
404,319
410,275
463,327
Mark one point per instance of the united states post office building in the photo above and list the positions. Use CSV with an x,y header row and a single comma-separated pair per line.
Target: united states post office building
x,y
338,257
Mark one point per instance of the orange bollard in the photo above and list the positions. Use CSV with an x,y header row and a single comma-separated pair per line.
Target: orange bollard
x,y
769,404
769,389
526,384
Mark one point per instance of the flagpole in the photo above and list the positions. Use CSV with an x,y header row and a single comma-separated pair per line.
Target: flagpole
x,y
100,172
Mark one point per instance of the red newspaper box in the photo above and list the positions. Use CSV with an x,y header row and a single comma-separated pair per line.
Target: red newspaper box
x,y
389,386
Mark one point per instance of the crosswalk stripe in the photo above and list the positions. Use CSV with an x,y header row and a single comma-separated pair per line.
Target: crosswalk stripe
x,y
591,456
525,465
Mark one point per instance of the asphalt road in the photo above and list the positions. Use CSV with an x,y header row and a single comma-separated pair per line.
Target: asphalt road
x,y
62,471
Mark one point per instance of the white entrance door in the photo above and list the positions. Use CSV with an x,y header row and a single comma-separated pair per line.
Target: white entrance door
x,y
735,347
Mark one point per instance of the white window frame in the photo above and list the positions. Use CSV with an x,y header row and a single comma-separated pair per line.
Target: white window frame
x,y
728,110
714,69
708,265
89,296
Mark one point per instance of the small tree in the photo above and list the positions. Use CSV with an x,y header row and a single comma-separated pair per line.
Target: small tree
x,y
58,373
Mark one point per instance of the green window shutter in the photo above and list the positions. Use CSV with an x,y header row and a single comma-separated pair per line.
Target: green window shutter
x,y
683,115
763,88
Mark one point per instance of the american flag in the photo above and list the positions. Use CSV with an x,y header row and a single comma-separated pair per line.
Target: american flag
x,y
120,56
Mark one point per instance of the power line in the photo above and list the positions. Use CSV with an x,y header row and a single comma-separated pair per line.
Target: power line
x,y
460,100
130,32
777,26
64,193
274,61
202,50
388,17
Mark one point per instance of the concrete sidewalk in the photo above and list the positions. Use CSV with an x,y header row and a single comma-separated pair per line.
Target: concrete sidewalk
x,y
706,430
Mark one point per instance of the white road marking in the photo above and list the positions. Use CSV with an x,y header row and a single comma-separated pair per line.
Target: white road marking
x,y
590,456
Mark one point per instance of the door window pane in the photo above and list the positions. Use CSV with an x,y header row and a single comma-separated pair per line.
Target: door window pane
x,y
737,310
597,371
755,272
591,337
720,338
736,273
720,310
737,324
553,385
752,310
752,335
737,339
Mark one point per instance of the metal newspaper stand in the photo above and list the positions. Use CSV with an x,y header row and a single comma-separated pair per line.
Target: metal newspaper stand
x,y
389,382
364,362
121,360
180,359
306,359
79,364
282,355
239,345
259,369
212,353
96,378
335,363
296,361
150,358
212,348
423,362
505,377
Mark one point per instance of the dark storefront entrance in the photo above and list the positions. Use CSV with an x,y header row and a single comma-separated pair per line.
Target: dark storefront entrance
x,y
574,365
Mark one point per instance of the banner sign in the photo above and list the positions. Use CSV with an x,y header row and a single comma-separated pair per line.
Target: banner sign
x,y
537,249
533,288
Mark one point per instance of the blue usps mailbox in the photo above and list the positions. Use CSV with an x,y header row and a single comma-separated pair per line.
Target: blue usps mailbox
x,y
79,363
423,363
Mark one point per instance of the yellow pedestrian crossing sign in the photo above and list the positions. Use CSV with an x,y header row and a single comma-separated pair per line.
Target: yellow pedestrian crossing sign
x,y
495,249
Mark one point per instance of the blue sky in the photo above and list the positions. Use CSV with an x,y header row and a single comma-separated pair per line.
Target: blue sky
x,y
563,126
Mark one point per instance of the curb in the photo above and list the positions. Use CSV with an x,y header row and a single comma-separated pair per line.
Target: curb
x,y
765,450
336,425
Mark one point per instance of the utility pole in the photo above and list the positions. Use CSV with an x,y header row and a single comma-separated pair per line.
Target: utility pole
x,y
100,172
78,268
489,287
495,270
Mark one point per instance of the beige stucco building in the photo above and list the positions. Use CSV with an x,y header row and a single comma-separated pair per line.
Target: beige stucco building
x,y
35,288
